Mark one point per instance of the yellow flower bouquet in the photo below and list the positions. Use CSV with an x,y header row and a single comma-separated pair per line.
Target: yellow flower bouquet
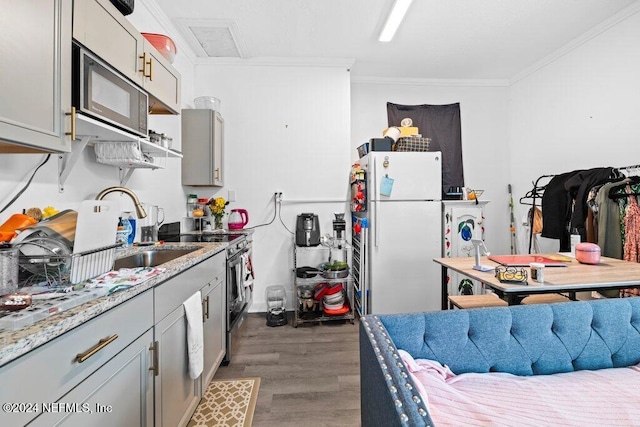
x,y
217,206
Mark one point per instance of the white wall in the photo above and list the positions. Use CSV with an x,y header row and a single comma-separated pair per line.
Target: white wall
x,y
579,111
286,130
483,115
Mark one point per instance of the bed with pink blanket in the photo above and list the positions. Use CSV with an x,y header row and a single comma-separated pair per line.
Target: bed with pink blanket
x,y
569,364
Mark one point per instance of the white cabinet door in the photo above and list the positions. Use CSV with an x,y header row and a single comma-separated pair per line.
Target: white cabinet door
x,y
120,393
176,394
36,75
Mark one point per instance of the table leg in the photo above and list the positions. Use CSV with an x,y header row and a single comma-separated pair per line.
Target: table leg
x,y
445,289
513,299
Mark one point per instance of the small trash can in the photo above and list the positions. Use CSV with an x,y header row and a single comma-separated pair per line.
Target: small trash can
x,y
276,306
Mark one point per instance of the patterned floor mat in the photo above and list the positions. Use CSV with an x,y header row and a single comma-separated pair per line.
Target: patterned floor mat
x,y
227,403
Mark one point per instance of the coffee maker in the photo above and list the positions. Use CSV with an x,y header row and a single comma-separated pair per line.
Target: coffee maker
x,y
339,226
307,230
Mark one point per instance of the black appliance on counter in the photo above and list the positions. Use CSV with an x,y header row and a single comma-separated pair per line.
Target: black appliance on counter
x,y
307,230
239,297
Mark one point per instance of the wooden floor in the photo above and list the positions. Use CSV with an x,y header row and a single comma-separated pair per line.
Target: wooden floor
x,y
310,375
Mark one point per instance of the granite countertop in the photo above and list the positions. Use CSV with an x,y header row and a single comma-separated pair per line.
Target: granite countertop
x,y
16,343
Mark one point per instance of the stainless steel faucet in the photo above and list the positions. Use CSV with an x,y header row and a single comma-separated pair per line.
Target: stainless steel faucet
x,y
140,212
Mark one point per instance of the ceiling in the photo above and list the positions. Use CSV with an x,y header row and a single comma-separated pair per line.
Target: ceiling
x,y
439,39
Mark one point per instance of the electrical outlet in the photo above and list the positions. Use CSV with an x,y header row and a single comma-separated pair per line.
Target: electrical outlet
x,y
232,196
278,196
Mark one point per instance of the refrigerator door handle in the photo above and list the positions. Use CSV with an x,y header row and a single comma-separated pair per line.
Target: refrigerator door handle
x,y
376,194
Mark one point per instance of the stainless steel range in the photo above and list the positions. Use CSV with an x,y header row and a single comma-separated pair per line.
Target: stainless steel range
x,y
239,291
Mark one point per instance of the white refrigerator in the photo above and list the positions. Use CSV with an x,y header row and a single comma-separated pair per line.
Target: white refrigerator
x,y
404,216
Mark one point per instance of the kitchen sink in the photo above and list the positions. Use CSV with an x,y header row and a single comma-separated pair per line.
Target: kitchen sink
x,y
150,258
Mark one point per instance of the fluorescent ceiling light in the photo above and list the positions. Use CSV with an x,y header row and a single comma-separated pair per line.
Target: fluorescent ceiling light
x,y
394,19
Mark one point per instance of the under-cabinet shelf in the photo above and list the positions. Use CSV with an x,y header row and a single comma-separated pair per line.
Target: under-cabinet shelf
x,y
129,151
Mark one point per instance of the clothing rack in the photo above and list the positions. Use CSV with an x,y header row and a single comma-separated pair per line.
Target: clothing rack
x,y
534,194
631,171
627,181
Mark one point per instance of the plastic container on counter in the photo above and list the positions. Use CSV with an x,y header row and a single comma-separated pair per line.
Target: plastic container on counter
x,y
192,204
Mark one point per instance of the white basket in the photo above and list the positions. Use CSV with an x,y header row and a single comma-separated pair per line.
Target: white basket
x,y
125,153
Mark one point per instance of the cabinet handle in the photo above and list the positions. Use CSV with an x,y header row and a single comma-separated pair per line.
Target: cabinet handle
x,y
143,70
81,357
217,175
155,347
73,123
207,306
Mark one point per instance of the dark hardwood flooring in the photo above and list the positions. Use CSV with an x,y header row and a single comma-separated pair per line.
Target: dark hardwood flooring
x,y
310,375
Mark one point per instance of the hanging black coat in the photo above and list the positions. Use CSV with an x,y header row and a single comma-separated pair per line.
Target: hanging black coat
x,y
556,210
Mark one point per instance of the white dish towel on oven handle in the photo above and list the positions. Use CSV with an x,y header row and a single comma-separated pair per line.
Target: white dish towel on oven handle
x,y
195,334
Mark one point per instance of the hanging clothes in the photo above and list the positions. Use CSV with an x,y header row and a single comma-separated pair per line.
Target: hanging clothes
x,y
579,185
632,237
632,230
608,222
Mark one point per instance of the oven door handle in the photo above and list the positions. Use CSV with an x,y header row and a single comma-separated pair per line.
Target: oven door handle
x,y
235,258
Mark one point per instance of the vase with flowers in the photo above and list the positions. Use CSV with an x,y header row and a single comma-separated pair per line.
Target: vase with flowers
x,y
217,206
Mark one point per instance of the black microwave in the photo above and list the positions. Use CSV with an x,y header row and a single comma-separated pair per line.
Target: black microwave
x,y
102,93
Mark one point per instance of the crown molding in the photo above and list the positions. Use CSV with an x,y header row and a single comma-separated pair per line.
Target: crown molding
x,y
278,62
577,42
431,82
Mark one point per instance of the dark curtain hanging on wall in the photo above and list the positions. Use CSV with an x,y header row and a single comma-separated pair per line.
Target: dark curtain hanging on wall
x,y
441,123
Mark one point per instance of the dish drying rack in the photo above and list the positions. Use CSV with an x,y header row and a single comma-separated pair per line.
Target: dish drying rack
x,y
128,154
61,269
131,155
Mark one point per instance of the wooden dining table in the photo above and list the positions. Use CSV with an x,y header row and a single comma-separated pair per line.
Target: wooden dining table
x,y
573,277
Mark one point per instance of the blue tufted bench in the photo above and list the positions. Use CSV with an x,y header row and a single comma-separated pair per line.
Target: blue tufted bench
x,y
521,340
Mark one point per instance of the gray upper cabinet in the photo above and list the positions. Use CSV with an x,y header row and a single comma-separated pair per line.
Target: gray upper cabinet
x,y
202,148
162,82
36,76
116,41
101,28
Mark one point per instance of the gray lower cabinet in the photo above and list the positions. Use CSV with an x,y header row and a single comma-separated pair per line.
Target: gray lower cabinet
x,y
129,365
176,394
91,363
214,327
36,76
118,394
